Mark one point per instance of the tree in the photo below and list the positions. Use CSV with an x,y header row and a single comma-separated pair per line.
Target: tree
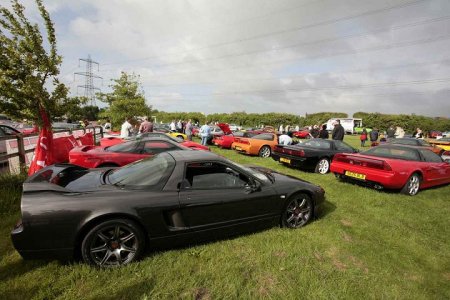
x,y
27,68
125,100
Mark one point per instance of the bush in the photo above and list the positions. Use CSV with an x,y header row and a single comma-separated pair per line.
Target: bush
x,y
10,192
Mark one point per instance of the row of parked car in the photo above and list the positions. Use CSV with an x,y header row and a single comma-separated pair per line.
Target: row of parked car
x,y
107,216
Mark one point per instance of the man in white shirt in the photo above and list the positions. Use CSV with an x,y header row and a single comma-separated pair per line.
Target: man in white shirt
x,y
284,139
126,129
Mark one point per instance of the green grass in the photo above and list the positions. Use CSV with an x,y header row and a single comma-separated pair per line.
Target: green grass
x,y
367,244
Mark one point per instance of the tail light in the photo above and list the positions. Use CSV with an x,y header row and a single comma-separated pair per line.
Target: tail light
x,y
298,152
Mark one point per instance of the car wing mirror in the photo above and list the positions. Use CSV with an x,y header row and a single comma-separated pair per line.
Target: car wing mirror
x,y
253,186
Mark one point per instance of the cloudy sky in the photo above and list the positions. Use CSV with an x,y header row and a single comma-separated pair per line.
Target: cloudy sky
x,y
296,56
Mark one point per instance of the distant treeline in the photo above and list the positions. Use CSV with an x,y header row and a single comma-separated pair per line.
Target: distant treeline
x,y
371,120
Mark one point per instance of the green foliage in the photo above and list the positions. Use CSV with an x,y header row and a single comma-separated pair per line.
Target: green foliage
x,y
322,117
408,122
125,100
27,68
10,189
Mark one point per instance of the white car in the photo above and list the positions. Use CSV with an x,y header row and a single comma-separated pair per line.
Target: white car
x,y
234,127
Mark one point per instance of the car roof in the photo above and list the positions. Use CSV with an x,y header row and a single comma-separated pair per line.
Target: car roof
x,y
400,146
183,156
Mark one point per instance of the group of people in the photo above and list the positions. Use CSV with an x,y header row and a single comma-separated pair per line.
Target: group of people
x,y
127,129
338,133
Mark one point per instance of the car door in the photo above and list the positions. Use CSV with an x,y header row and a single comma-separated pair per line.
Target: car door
x,y
215,194
435,170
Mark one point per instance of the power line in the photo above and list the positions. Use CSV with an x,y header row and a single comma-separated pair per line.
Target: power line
x,y
89,87
306,89
297,59
308,74
322,23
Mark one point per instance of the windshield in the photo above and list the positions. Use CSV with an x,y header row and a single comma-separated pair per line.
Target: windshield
x,y
255,173
396,153
123,147
145,173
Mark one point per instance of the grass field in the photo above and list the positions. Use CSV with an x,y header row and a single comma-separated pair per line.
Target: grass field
x,y
367,244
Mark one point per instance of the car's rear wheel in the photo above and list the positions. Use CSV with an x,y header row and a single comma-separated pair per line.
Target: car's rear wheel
x,y
265,151
412,186
113,243
323,166
181,137
298,212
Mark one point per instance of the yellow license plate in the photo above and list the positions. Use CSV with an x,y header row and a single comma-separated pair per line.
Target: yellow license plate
x,y
285,160
238,148
355,175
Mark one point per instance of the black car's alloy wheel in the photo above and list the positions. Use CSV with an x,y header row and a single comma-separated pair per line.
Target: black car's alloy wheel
x,y
113,243
298,211
265,151
323,166
412,186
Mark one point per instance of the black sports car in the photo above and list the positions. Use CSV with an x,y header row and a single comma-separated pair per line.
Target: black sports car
x,y
108,216
313,154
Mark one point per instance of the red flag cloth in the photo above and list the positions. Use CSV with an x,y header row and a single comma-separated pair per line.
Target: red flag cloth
x,y
43,155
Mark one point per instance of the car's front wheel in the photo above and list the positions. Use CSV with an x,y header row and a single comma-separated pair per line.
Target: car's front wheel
x,y
113,243
265,151
323,166
298,212
412,186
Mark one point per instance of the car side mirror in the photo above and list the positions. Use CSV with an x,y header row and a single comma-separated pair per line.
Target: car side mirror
x,y
253,186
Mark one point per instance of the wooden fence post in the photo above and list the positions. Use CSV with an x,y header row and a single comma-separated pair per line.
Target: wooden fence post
x,y
21,151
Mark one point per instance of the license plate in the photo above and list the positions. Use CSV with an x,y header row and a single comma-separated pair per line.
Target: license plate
x,y
238,148
355,175
285,160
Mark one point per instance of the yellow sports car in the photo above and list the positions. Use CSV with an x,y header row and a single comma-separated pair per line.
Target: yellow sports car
x,y
443,143
171,133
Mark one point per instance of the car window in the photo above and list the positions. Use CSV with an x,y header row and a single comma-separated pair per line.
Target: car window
x,y
412,142
127,147
396,153
264,136
213,175
430,156
316,143
155,147
150,172
341,146
8,131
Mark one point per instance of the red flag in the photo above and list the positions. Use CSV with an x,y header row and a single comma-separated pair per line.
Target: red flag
x,y
43,152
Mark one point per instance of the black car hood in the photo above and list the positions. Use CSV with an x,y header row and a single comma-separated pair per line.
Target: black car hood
x,y
67,178
278,176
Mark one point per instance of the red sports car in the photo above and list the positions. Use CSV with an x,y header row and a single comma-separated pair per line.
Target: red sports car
x,y
394,167
110,141
302,134
225,141
121,154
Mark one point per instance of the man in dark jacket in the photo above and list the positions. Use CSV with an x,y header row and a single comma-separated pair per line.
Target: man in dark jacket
x,y
338,131
374,135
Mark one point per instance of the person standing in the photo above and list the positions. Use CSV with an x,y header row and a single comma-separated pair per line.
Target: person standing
x,y
179,127
205,131
363,137
188,130
374,137
390,132
323,133
126,129
338,131
146,126
315,131
173,127
107,126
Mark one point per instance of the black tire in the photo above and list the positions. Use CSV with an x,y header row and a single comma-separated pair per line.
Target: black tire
x,y
323,166
298,212
113,243
180,136
412,185
265,151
